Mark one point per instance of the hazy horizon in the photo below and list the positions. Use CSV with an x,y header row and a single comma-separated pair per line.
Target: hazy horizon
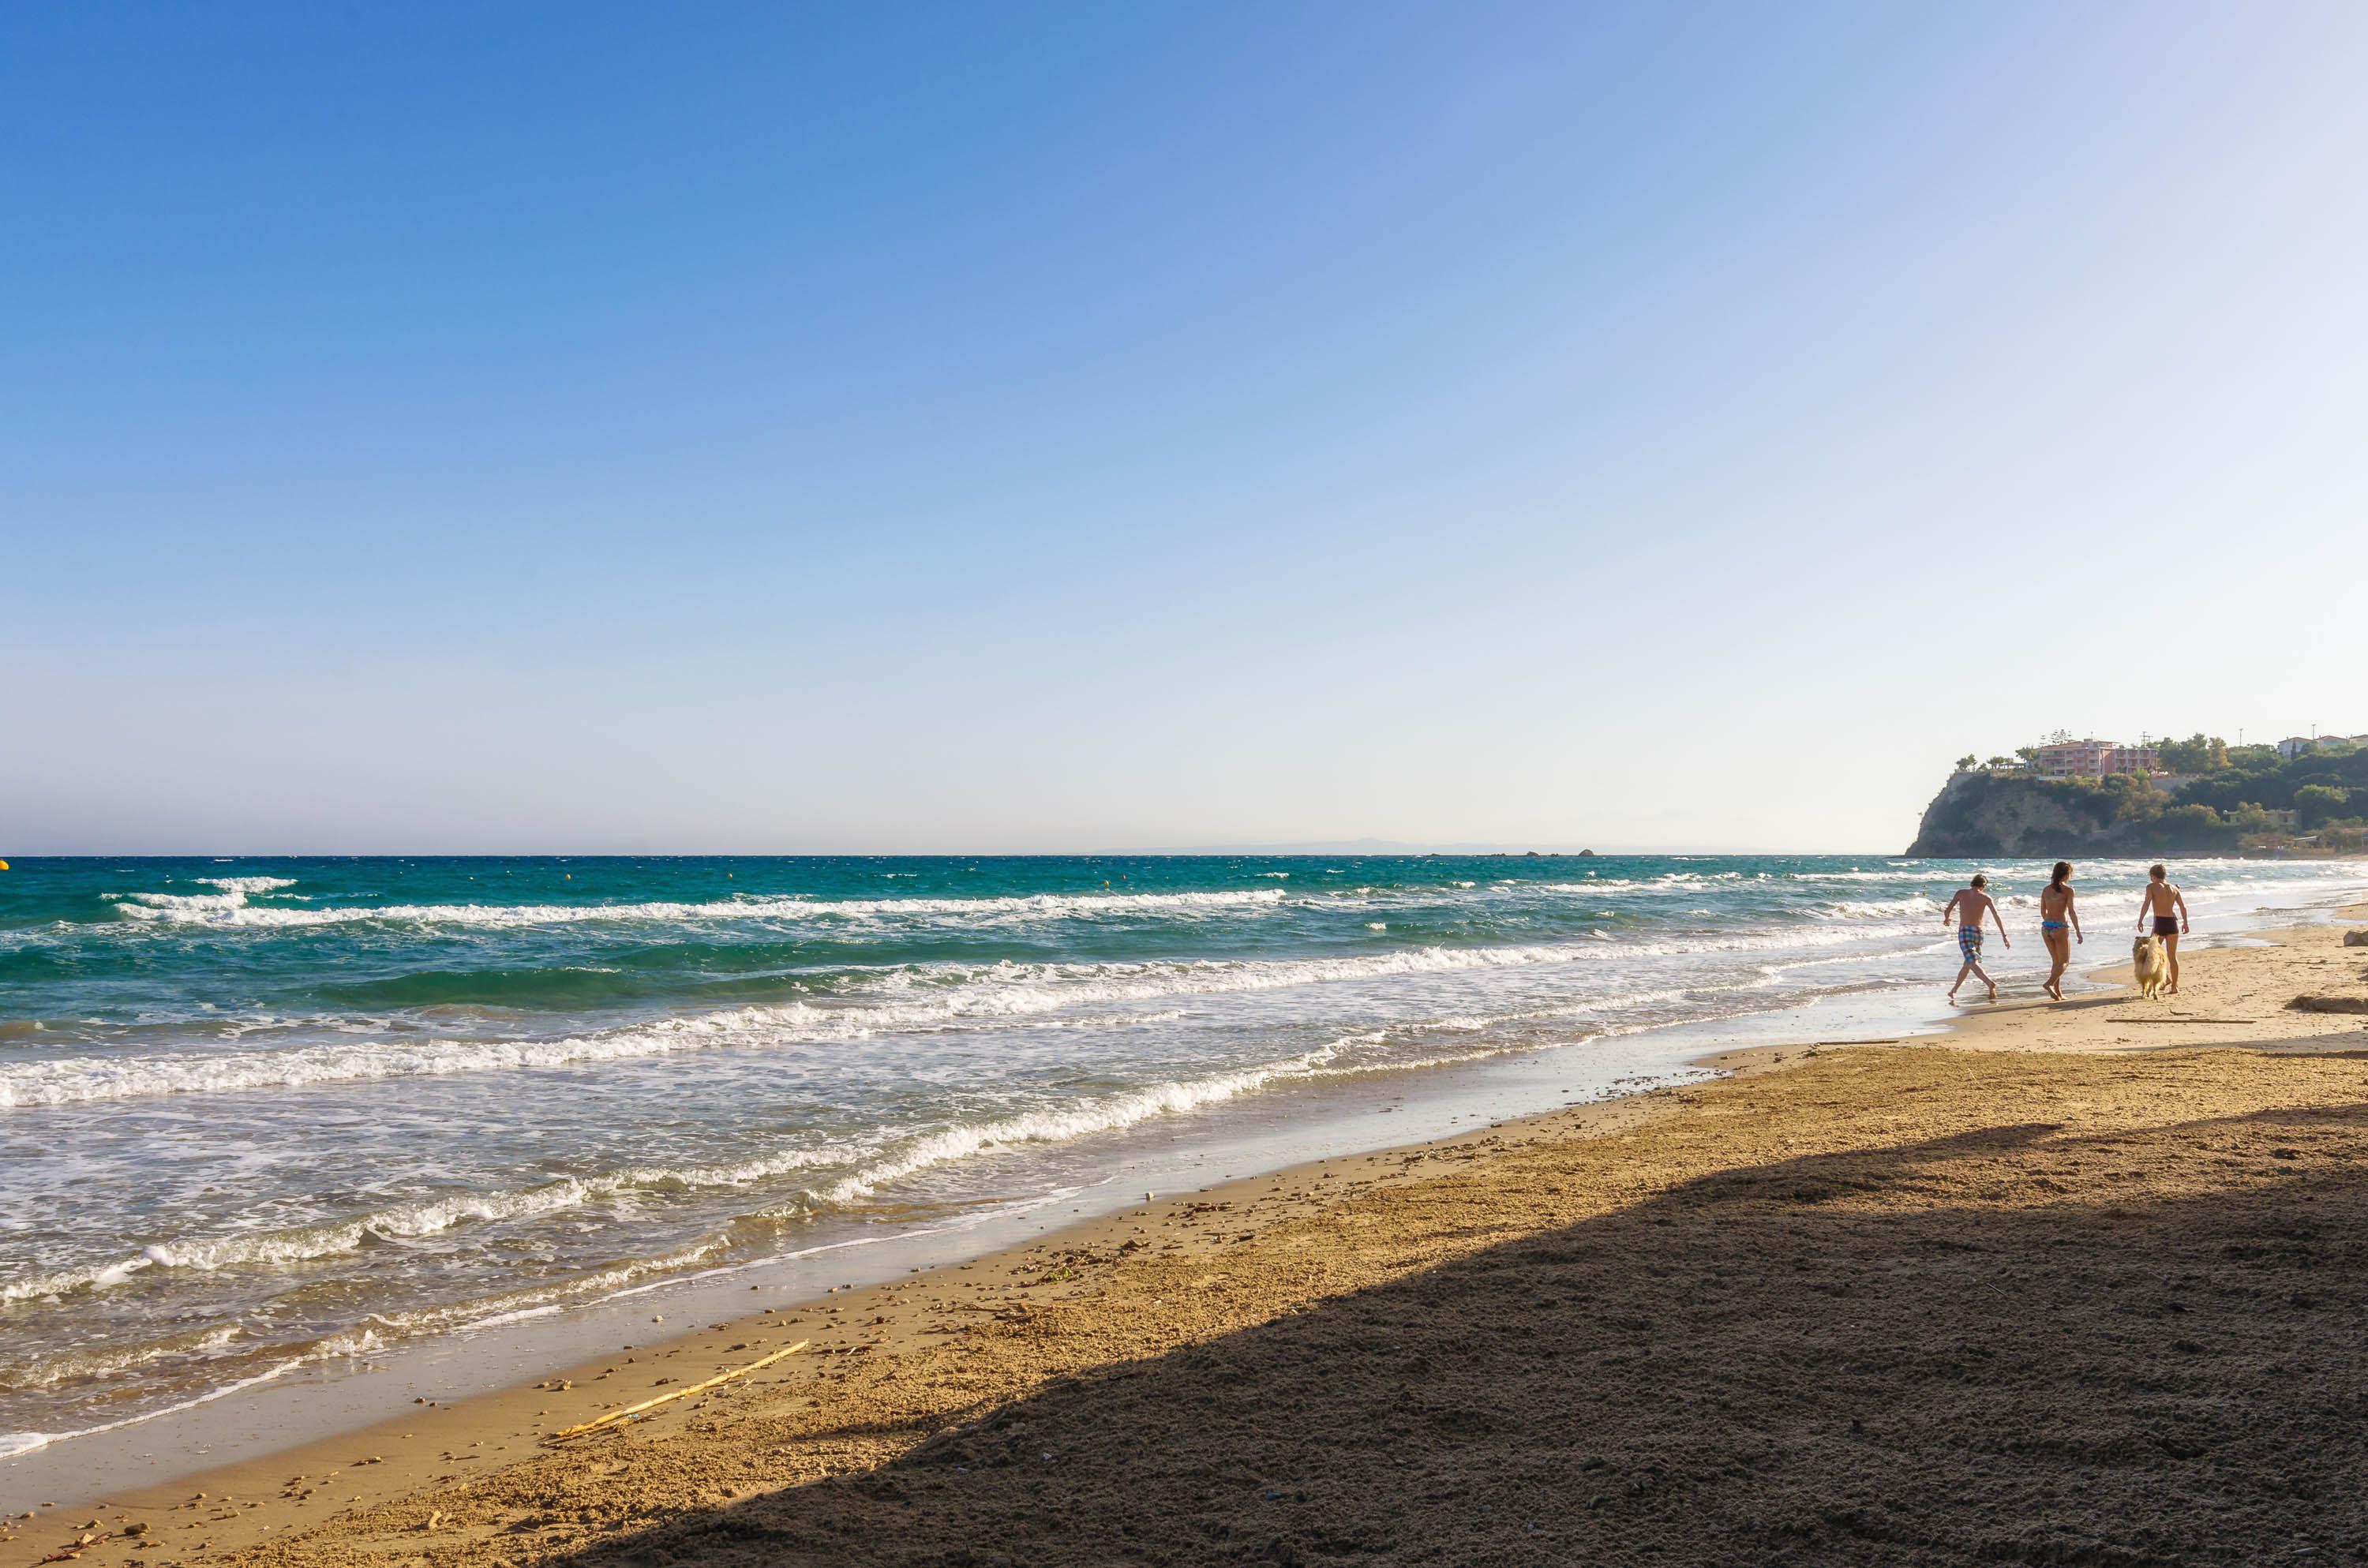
x,y
1051,427
1308,848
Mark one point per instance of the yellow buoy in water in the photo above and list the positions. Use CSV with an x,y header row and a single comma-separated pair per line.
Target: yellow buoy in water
x,y
3,865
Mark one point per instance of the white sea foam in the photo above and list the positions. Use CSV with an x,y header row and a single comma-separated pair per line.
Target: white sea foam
x,y
536,1301
431,1215
231,908
113,1362
1116,1112
622,1281
1057,1124
904,1000
1880,908
302,1243
877,1159
423,1217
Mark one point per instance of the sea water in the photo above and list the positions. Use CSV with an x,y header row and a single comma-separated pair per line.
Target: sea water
x,y
258,1115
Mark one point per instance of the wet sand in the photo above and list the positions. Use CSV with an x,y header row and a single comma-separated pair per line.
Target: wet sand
x,y
2077,1283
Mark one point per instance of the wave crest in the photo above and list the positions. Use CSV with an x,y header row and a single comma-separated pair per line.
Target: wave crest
x,y
231,908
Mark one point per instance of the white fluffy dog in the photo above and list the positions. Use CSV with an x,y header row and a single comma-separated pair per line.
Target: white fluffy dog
x,y
2153,966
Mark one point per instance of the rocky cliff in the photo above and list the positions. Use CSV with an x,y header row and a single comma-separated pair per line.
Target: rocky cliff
x,y
1976,814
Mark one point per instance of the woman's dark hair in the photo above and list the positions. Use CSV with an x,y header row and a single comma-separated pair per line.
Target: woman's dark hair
x,y
2062,869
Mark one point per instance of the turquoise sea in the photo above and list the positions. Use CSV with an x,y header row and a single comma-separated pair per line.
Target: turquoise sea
x,y
263,1114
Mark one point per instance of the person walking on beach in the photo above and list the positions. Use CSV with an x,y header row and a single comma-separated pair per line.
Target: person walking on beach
x,y
2166,907
1969,905
2059,925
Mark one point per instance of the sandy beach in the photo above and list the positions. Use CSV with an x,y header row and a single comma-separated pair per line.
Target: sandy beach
x,y
1053,785
2074,1284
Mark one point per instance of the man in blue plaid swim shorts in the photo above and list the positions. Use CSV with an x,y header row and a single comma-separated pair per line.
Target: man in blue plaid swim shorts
x,y
1969,907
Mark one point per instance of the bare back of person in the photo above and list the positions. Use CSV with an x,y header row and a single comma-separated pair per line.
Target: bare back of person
x,y
2164,907
1971,906
2059,925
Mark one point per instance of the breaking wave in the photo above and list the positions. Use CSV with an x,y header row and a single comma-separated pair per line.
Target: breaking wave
x,y
876,1162
946,998
231,908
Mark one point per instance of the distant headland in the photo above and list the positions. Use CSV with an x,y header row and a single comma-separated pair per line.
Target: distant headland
x,y
2064,796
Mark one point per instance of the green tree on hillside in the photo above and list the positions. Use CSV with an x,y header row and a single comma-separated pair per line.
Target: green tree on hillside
x,y
2197,753
2196,827
2250,818
2317,805
1966,763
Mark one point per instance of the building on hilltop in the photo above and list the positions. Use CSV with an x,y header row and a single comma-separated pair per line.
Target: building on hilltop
x,y
2071,759
2092,758
2294,746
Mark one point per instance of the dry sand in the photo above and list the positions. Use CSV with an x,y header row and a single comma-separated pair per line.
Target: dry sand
x,y
2077,1284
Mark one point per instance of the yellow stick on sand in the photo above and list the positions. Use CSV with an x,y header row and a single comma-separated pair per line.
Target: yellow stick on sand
x,y
632,1410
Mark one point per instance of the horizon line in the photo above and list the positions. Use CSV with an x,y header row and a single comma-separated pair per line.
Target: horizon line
x,y
1287,850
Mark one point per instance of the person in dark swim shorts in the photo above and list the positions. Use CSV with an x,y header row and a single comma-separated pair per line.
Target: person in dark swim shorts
x,y
2165,906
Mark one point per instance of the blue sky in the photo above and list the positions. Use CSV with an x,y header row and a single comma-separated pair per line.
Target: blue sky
x,y
1004,428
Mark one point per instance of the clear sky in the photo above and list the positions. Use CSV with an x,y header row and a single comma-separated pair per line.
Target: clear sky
x,y
998,428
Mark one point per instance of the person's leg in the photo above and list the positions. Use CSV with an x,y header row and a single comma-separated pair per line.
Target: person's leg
x,y
1981,975
2171,952
2059,953
1969,948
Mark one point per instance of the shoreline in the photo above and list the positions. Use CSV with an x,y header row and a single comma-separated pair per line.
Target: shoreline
x,y
345,1376
264,1500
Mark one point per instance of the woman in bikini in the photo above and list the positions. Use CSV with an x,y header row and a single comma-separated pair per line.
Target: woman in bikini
x,y
2059,924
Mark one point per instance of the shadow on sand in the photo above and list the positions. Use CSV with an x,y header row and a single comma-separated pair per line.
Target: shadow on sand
x,y
1960,1351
